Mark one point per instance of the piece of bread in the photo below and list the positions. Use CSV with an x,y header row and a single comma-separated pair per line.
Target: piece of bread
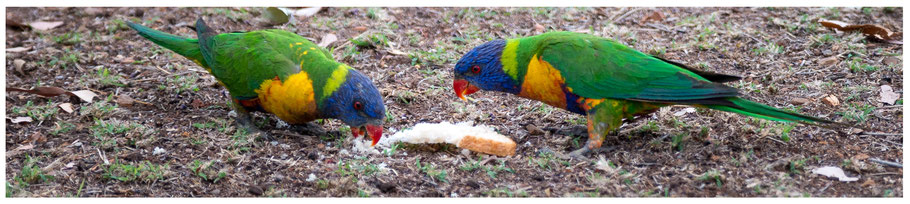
x,y
489,143
464,135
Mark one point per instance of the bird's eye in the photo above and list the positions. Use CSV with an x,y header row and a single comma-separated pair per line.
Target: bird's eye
x,y
358,106
475,69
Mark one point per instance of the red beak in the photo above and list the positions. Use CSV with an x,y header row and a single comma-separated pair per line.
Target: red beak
x,y
375,132
463,87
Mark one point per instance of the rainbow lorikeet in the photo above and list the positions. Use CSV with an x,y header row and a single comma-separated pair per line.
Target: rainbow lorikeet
x,y
602,79
282,73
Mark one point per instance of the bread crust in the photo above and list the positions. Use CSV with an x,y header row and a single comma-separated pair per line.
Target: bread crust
x,y
494,147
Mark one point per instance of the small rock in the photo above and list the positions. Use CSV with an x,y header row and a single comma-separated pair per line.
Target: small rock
x,y
891,61
311,177
799,101
360,28
831,100
534,130
125,100
159,150
828,61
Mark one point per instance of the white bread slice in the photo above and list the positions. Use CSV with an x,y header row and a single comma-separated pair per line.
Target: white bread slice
x,y
475,138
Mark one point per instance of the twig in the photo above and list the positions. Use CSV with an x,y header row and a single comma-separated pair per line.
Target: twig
x,y
625,15
886,163
100,154
165,71
782,142
884,173
880,134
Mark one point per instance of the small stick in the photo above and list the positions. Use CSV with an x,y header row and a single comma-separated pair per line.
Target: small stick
x,y
886,163
880,134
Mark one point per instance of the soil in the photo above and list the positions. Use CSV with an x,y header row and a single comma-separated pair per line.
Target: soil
x,y
162,127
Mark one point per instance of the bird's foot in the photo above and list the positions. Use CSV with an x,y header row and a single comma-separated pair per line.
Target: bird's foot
x,y
247,125
582,153
309,128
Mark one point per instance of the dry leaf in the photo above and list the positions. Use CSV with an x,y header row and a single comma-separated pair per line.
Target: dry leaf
x,y
360,28
68,107
17,49
16,24
18,120
684,111
655,16
46,91
831,171
539,28
327,40
828,61
43,25
307,12
888,96
831,100
398,52
85,95
276,16
24,147
875,31
799,101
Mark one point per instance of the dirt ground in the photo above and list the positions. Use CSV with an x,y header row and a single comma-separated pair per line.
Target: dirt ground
x,y
162,127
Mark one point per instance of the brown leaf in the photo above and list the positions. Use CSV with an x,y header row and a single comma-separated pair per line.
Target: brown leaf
x,y
891,61
124,100
18,120
327,40
875,31
888,96
828,61
46,91
44,25
861,156
799,101
539,28
85,95
18,63
655,16
68,107
17,49
16,24
831,100
360,28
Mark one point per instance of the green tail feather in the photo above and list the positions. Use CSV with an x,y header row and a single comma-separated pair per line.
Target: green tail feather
x,y
751,108
189,48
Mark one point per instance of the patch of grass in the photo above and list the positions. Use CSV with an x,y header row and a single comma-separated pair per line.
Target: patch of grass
x,y
241,140
796,167
145,171
678,141
545,160
36,112
505,192
392,150
105,78
184,83
114,26
62,127
69,58
375,40
713,176
856,65
405,97
431,171
857,112
99,109
202,170
68,38
30,174
491,171
785,131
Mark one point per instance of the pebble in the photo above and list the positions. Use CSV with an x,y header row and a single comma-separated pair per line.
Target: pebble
x,y
799,101
831,100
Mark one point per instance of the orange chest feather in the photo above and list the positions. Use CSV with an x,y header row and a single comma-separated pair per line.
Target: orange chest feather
x,y
292,100
544,83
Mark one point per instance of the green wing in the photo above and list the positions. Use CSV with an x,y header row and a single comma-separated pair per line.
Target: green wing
x,y
595,67
241,61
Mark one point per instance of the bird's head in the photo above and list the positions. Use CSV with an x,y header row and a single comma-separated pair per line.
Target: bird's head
x,y
357,103
481,68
